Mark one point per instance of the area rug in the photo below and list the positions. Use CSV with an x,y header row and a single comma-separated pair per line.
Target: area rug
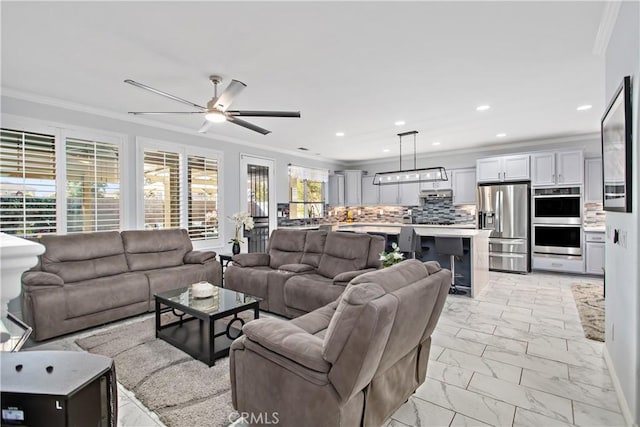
x,y
590,303
182,391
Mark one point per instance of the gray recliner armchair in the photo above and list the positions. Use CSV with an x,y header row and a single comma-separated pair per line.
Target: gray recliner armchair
x,y
352,362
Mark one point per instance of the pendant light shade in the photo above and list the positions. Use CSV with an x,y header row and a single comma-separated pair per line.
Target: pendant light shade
x,y
404,176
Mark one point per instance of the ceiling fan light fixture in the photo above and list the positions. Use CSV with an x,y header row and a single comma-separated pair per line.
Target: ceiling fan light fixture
x,y
215,117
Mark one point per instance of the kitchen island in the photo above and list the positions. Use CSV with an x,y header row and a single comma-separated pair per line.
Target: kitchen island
x,y
474,264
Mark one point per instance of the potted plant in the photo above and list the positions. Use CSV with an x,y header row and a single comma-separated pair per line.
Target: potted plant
x,y
392,257
241,220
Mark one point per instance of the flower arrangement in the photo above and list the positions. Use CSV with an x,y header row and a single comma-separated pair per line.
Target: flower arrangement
x,y
241,220
392,257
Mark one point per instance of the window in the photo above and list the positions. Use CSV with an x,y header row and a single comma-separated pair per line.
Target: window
x,y
307,192
202,175
181,189
93,186
27,183
162,201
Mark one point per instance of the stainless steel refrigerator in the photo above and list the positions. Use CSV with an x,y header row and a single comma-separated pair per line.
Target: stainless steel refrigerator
x,y
505,210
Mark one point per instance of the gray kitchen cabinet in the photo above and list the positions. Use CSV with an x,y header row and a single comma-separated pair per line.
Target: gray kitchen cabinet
x,y
594,252
336,190
370,192
389,194
557,168
464,186
503,168
352,187
593,180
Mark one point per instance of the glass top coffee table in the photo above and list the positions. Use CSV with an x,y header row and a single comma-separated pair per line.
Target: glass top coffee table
x,y
200,329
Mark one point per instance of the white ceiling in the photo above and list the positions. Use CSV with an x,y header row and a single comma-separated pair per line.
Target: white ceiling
x,y
354,67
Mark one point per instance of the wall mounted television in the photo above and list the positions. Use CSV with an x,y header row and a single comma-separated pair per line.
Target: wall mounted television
x,y
616,150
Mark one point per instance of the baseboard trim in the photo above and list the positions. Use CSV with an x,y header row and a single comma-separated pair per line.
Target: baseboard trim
x,y
622,401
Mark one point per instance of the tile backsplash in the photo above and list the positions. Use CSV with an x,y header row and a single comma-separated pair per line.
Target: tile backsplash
x,y
594,215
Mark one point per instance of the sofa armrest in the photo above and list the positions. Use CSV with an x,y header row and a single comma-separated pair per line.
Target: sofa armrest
x,y
347,276
297,268
257,259
288,340
41,278
198,257
433,266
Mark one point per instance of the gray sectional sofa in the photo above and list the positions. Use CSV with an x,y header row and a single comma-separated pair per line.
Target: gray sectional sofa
x,y
303,270
85,280
353,362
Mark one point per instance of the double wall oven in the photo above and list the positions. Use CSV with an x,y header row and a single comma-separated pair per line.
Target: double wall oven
x,y
557,221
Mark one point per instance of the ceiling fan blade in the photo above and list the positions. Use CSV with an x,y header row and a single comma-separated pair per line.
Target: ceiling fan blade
x,y
205,126
253,113
167,95
165,112
226,98
248,125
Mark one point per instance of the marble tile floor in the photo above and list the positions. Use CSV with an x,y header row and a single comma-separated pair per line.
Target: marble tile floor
x,y
513,356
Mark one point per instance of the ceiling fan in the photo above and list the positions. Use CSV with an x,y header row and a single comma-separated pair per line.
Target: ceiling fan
x,y
217,110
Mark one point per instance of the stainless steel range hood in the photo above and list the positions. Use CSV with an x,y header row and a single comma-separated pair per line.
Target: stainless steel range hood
x,y
435,194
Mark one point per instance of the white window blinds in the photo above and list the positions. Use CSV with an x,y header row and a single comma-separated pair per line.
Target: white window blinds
x,y
27,183
93,186
202,176
162,200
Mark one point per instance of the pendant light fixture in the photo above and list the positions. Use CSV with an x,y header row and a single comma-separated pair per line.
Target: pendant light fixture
x,y
404,176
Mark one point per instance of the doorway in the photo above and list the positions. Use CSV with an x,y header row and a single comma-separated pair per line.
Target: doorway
x,y
257,196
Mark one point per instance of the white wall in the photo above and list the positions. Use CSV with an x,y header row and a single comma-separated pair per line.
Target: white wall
x,y
467,158
622,270
40,112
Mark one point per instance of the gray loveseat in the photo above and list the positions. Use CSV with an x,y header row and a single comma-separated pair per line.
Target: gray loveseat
x,y
353,362
303,270
88,279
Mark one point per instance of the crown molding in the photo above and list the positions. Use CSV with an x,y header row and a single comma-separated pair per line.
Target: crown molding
x,y
607,22
486,150
68,105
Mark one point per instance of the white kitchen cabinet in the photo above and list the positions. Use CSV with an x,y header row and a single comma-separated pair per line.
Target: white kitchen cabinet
x,y
504,168
410,194
336,190
593,180
464,186
557,168
352,187
389,194
594,252
438,185
370,192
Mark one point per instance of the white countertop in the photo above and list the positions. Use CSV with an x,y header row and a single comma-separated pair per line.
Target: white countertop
x,y
421,229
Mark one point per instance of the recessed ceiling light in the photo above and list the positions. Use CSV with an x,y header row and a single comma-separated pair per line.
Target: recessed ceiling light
x,y
483,107
501,135
339,133
400,123
584,107
436,143
386,150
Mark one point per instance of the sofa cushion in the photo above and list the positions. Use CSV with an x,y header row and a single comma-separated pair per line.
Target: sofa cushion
x,y
285,247
151,249
314,247
350,305
316,321
77,257
309,291
105,293
166,279
344,252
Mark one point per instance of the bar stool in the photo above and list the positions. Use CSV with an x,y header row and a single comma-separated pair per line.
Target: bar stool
x,y
408,241
451,246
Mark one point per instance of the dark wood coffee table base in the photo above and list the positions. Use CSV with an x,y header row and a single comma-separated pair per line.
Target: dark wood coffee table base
x,y
205,337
